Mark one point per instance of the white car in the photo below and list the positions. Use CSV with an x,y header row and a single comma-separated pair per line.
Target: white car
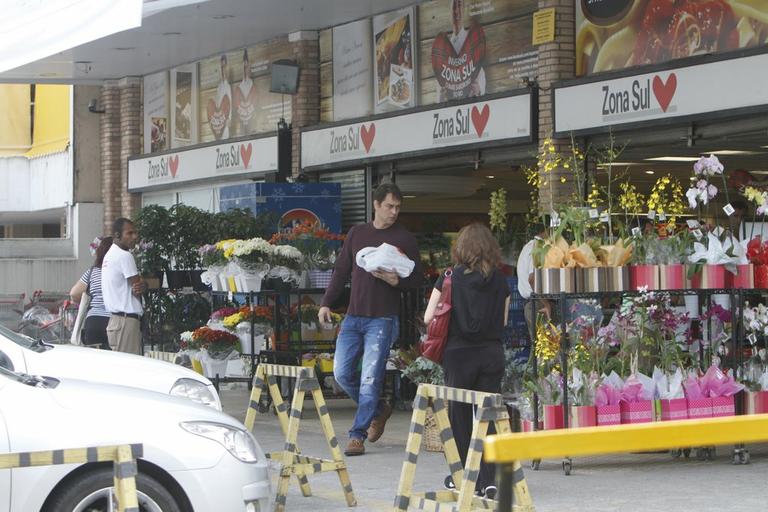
x,y
195,458
25,355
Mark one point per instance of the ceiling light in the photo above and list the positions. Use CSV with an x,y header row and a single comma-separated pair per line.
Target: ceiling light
x,y
124,48
649,172
490,176
171,33
408,197
731,152
222,16
674,158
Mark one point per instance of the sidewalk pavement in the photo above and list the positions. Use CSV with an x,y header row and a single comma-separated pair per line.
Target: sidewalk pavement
x,y
622,483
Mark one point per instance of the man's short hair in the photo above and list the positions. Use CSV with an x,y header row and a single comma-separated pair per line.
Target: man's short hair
x,y
383,190
119,225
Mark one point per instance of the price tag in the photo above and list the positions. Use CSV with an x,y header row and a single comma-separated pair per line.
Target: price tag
x,y
604,217
698,234
593,213
662,216
554,222
652,214
752,338
636,232
728,209
692,223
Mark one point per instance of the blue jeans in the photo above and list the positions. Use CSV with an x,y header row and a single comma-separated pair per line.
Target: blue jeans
x,y
368,338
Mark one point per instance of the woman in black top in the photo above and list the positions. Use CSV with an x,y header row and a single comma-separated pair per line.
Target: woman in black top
x,y
474,356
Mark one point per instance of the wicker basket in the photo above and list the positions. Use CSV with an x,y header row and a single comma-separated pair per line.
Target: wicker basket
x,y
432,442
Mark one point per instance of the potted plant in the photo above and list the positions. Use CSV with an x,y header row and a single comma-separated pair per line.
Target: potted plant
x,y
149,263
252,260
311,327
420,370
318,247
217,347
190,228
153,225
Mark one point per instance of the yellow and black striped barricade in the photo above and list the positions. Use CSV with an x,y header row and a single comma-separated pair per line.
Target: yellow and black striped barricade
x,y
490,408
122,456
292,462
507,449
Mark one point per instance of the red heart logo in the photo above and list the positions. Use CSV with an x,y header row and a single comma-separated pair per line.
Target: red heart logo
x,y
367,133
173,164
664,91
480,118
455,71
245,153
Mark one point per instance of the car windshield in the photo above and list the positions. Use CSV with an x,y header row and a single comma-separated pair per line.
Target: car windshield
x,y
21,339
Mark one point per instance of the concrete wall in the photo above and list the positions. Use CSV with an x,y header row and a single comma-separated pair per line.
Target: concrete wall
x,y
52,265
41,183
87,147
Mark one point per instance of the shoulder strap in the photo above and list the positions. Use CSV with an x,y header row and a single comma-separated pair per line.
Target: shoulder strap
x,y
446,292
88,279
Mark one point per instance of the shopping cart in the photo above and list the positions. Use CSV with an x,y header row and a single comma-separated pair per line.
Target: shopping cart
x,y
11,309
49,316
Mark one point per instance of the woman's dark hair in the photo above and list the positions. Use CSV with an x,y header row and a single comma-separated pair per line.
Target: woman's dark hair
x,y
477,249
381,192
104,246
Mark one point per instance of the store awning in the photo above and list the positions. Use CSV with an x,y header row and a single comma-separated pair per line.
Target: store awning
x,y
52,125
15,123
30,31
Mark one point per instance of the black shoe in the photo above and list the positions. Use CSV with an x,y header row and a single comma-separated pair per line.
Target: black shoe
x,y
490,492
448,482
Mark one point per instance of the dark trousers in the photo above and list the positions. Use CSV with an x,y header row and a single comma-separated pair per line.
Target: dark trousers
x,y
477,368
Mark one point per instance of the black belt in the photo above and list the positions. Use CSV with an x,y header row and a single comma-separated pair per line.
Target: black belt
x,y
128,315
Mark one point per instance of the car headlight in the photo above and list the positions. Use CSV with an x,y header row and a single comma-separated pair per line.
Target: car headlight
x,y
239,443
197,392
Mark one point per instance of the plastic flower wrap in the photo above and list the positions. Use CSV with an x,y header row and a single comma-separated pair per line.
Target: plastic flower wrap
x,y
757,251
93,246
609,390
668,386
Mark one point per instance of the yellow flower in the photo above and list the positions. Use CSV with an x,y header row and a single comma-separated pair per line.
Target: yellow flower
x,y
562,179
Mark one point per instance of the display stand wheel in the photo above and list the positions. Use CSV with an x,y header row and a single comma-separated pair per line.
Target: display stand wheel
x,y
535,463
706,453
567,466
740,455
686,452
676,453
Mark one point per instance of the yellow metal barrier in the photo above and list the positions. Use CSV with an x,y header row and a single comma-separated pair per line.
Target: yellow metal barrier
x,y
508,449
123,456
291,460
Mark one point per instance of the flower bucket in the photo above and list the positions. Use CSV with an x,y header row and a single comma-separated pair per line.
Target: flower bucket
x,y
197,365
320,278
592,279
761,276
213,367
699,408
582,416
745,276
314,332
672,277
756,402
555,280
711,277
553,417
308,363
637,412
528,426
231,284
692,305
248,283
617,279
723,300
326,365
216,283
674,409
608,415
723,406
644,276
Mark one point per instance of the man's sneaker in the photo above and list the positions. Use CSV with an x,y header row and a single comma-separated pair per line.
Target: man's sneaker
x,y
448,482
378,423
490,492
355,446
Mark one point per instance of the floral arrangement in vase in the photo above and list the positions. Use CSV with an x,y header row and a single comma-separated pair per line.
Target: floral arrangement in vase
x,y
219,344
317,244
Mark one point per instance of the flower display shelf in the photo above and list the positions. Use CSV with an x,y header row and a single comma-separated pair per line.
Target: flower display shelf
x,y
703,299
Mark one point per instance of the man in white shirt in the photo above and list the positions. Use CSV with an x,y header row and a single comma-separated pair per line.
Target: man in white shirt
x,y
121,286
525,269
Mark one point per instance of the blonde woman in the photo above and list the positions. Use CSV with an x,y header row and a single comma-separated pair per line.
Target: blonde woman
x,y
474,356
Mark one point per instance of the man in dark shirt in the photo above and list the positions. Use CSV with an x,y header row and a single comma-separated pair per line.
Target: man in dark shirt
x,y
372,324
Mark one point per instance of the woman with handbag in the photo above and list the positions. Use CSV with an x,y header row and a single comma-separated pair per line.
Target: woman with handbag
x,y
94,331
474,356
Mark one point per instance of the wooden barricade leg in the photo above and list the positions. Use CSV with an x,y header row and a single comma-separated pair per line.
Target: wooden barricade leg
x,y
450,450
521,497
333,444
412,447
253,401
474,456
289,452
282,414
125,480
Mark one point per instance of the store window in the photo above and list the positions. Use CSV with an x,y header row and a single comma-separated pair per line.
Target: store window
x,y
354,203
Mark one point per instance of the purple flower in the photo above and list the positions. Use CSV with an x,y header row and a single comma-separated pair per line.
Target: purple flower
x,y
711,191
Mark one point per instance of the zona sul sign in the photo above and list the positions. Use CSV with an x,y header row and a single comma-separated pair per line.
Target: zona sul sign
x,y
507,118
682,92
235,158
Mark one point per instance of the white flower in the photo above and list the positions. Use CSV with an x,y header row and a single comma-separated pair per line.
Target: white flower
x,y
186,336
287,251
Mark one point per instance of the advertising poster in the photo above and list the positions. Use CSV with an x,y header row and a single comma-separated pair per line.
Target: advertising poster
x,y
268,106
394,70
352,70
183,127
616,34
326,75
156,112
470,48
216,95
